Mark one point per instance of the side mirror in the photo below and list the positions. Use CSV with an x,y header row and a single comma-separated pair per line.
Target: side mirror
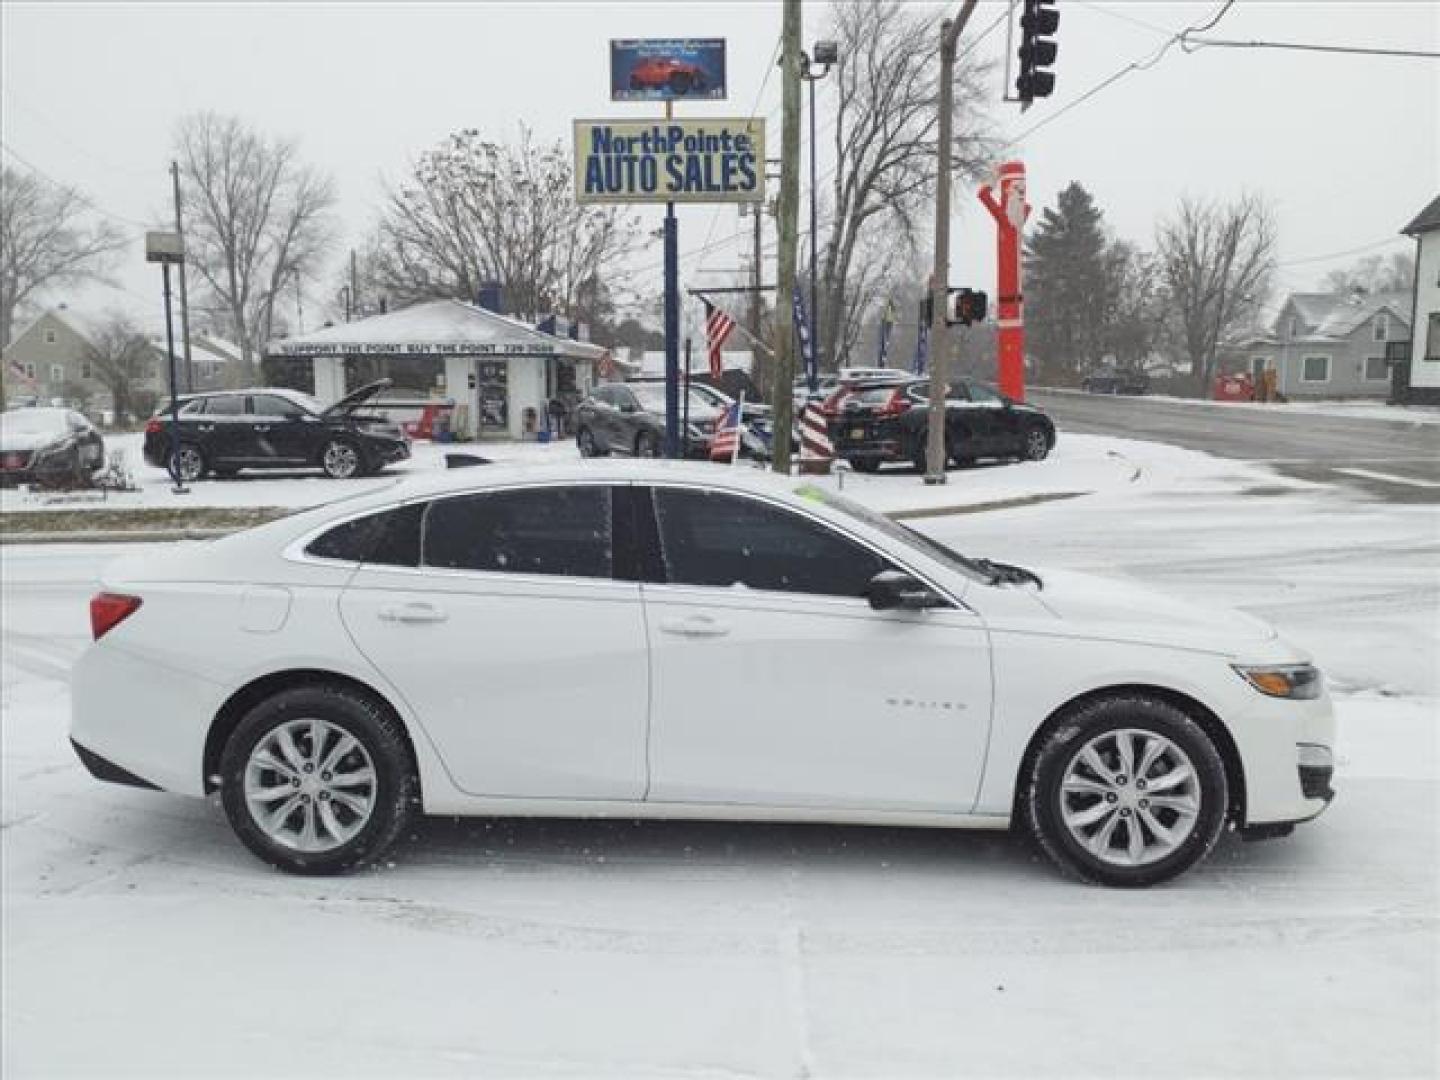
x,y
892,590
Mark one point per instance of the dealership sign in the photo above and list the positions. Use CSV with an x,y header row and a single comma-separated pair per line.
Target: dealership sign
x,y
670,69
655,161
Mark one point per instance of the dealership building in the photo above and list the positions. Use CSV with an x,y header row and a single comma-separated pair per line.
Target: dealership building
x,y
500,373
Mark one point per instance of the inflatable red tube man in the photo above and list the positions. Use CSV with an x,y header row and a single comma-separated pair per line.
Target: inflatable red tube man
x,y
1009,212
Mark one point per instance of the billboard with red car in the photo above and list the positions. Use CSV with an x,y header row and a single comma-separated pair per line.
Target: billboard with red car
x,y
673,69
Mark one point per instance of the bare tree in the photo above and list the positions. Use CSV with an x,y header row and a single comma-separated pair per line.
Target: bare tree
x,y
884,149
44,243
1216,260
257,221
476,211
1374,274
121,360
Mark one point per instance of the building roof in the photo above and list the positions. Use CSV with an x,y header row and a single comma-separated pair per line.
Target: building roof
x,y
1428,220
435,328
652,361
1329,316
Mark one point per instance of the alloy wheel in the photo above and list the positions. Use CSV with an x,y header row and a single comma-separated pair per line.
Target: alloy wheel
x,y
341,460
189,463
1037,446
1130,797
310,785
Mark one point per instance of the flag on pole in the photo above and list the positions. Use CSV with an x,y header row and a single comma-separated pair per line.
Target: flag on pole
x,y
726,444
887,327
718,327
807,345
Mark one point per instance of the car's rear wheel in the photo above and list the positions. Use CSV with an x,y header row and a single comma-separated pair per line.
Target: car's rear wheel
x,y
589,447
341,460
318,779
864,464
1036,444
187,463
1127,791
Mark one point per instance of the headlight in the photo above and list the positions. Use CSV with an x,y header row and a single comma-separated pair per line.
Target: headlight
x,y
1298,681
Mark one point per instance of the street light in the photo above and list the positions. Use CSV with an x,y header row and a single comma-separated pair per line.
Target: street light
x,y
826,54
167,248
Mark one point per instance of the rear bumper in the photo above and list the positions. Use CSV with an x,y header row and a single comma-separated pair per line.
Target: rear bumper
x,y
879,441
103,769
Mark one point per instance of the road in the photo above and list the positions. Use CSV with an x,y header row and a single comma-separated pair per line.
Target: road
x,y
140,938
1390,460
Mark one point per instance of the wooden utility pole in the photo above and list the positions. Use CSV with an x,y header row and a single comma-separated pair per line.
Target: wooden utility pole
x,y
784,385
940,277
184,293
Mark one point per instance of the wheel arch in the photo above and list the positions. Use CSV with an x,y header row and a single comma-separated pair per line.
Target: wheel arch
x,y
228,717
1206,718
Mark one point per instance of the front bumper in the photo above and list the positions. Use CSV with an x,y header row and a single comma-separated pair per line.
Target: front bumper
x,y
1287,748
388,451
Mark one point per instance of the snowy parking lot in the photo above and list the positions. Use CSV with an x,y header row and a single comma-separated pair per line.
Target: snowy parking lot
x,y
141,939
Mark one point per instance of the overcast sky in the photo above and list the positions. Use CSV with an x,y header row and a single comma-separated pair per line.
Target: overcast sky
x,y
1347,147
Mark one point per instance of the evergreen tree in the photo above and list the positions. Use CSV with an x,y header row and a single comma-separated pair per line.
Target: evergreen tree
x,y
1070,285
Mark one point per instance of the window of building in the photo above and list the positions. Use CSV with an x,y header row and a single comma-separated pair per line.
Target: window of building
x,y
1432,337
86,372
1381,327
1316,369
49,336
30,371
563,531
1376,369
725,541
57,373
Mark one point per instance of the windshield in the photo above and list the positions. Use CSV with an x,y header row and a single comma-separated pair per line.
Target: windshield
x,y
652,399
896,531
32,422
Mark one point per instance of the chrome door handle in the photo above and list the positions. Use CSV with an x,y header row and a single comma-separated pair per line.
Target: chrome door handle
x,y
695,626
262,427
413,613
207,427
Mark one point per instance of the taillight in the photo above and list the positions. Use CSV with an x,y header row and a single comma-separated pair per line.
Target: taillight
x,y
108,610
153,426
896,404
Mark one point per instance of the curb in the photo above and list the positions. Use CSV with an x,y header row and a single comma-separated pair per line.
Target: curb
x,y
113,536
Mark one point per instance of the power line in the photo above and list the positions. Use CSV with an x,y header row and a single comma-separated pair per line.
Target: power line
x,y
1341,254
1196,44
86,199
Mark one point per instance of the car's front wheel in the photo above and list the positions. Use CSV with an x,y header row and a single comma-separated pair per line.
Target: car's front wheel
x,y
646,445
587,444
1127,791
187,463
318,779
1036,444
341,460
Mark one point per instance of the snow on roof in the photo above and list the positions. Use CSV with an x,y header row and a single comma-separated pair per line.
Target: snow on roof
x,y
435,328
652,362
1428,220
1336,315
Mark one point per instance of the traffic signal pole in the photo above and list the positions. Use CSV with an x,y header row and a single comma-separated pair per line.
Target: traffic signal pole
x,y
935,456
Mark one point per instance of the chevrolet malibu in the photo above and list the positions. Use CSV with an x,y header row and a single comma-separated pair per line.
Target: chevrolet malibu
x,y
659,640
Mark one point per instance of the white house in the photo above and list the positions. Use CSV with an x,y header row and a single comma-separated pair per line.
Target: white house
x,y
1419,383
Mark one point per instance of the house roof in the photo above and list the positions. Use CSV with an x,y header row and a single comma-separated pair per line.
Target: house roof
x,y
435,328
1428,220
1328,316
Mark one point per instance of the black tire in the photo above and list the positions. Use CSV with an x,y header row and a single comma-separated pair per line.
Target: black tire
x,y
864,464
646,445
341,459
1035,443
396,794
188,463
1042,805
585,442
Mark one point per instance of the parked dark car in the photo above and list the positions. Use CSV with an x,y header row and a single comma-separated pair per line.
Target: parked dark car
x,y
1116,381
877,424
224,432
48,447
629,418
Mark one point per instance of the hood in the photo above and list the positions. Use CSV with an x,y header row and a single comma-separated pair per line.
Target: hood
x,y
353,400
1121,611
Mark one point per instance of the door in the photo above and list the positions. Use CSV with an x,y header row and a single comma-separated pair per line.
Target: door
x,y
503,628
282,431
224,429
774,683
991,424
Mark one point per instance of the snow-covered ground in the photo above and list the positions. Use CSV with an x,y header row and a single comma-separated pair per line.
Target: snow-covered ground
x,y
1350,410
140,939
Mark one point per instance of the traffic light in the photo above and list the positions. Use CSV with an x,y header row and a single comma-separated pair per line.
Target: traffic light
x,y
1037,51
968,306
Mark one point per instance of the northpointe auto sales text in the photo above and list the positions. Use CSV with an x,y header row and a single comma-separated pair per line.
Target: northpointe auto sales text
x,y
670,160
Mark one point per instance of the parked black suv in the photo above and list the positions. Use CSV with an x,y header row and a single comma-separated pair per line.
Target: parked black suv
x,y
224,432
891,423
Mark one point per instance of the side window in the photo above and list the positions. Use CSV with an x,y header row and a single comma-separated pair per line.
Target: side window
x,y
273,405
549,530
225,405
724,541
390,538
980,392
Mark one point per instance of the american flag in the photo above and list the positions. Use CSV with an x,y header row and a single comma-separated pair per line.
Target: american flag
x,y
718,326
18,370
606,367
726,446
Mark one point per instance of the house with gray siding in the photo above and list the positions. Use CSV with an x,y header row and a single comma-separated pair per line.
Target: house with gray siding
x,y
1327,345
1419,362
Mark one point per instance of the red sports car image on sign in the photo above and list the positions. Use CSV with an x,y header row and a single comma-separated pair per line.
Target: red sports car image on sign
x,y
668,73
667,69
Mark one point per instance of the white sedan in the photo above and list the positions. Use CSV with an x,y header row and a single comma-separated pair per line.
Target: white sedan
x,y
652,640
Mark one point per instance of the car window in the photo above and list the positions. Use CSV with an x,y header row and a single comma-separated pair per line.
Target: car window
x,y
274,405
545,530
390,538
981,392
716,539
225,405
193,407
